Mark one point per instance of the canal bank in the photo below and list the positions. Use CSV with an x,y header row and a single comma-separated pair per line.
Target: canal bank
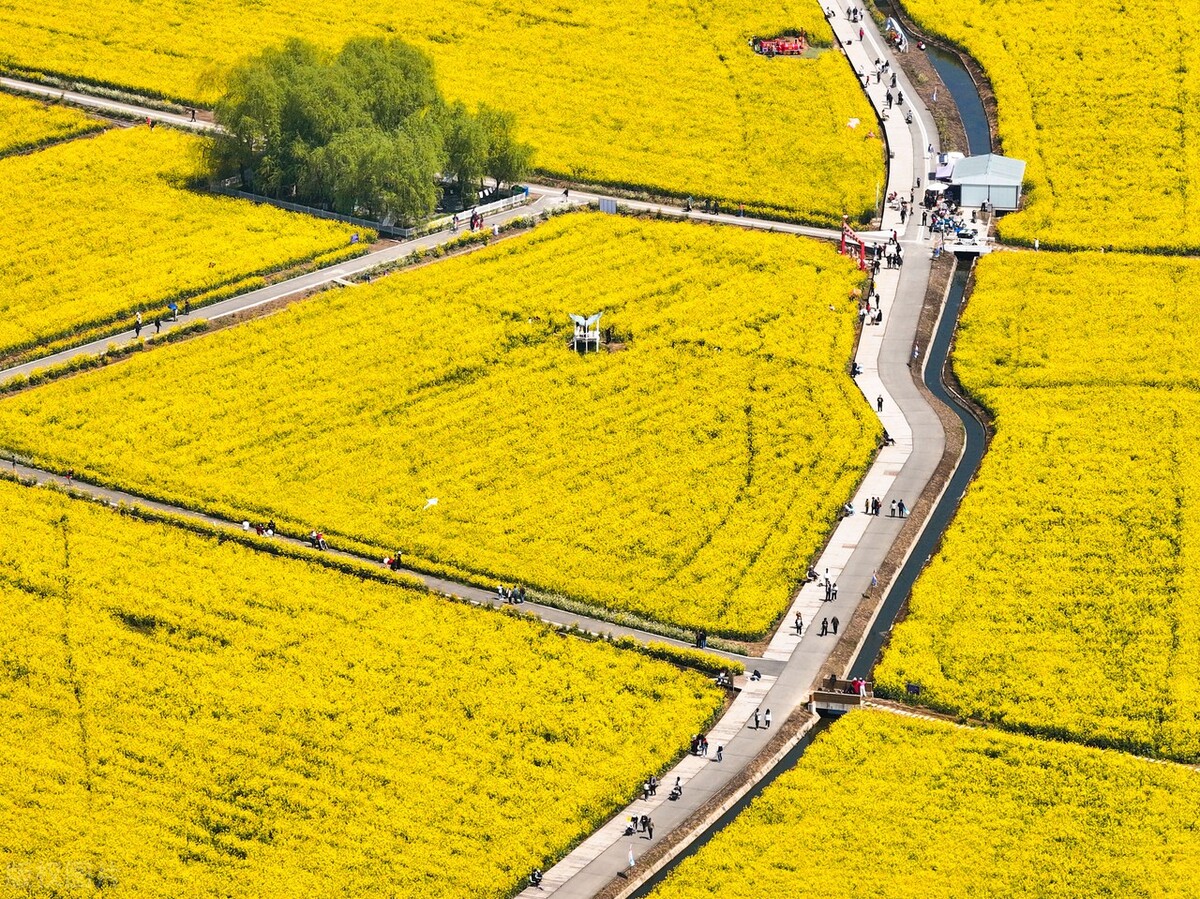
x,y
937,380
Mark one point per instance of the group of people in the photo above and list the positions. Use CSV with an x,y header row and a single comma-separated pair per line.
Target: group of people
x,y
514,595
137,325
172,307
761,720
649,787
889,253
712,205
640,824
316,539
723,679
392,562
265,530
944,217
869,310
476,221
700,745
874,505
825,624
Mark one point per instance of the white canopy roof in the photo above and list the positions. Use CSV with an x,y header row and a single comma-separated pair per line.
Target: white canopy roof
x,y
989,169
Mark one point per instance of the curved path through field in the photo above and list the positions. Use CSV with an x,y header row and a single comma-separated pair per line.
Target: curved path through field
x,y
855,550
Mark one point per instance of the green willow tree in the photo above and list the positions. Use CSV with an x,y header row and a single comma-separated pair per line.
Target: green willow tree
x,y
362,132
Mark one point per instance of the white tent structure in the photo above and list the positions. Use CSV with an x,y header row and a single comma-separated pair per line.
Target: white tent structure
x,y
989,179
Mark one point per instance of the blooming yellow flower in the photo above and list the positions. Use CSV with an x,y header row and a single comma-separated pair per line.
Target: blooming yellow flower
x,y
688,478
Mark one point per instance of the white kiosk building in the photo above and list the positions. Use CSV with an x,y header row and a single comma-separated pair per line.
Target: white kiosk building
x,y
995,180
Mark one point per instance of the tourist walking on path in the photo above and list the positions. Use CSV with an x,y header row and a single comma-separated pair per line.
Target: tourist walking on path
x,y
879,403
824,631
767,718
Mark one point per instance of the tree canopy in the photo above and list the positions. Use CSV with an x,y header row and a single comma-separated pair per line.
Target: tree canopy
x,y
364,131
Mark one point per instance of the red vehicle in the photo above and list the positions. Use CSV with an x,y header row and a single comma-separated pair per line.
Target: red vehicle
x,y
781,46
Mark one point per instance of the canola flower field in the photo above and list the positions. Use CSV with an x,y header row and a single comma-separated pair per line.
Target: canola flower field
x,y
25,124
186,718
665,97
1102,102
1065,599
688,478
882,805
107,230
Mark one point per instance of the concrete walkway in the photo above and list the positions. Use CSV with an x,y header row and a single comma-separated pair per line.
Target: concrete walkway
x,y
552,615
859,544
300,284
103,105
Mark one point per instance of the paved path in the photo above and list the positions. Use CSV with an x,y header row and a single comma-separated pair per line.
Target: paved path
x,y
477,595
103,105
858,545
300,284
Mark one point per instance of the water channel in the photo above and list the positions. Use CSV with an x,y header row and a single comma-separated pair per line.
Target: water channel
x,y
962,88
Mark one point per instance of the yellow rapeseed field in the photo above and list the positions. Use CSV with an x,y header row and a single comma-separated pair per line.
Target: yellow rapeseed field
x,y
184,718
687,478
106,229
1103,102
1066,598
664,96
882,805
25,124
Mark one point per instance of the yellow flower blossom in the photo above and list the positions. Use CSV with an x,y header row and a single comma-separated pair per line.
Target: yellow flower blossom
x,y
882,805
1065,598
28,123
667,97
185,718
688,478
107,229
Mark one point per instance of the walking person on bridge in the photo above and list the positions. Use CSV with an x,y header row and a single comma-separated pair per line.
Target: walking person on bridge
x,y
799,623
767,716
879,403
834,622
756,719
824,632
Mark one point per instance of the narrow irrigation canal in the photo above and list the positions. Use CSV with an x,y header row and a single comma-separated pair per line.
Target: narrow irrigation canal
x,y
940,515
935,525
966,97
962,88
